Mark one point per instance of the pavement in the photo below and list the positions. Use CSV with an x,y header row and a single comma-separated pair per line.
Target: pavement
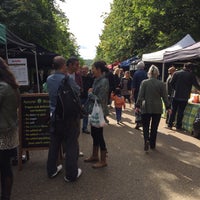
x,y
171,172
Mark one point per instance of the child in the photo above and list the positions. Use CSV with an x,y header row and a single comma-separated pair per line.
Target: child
x,y
119,102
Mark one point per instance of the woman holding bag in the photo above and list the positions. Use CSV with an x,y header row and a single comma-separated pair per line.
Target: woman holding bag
x,y
99,91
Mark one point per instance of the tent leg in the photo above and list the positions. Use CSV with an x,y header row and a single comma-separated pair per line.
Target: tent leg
x,y
37,72
163,71
6,48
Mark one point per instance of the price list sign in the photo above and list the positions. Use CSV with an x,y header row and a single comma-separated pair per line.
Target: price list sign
x,y
34,111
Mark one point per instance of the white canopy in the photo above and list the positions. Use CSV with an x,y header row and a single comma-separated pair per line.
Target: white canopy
x,y
188,53
158,55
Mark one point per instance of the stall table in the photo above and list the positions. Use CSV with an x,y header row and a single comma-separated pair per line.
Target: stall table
x,y
190,113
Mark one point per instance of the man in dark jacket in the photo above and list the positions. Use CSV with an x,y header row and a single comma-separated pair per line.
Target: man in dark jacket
x,y
182,82
138,77
87,81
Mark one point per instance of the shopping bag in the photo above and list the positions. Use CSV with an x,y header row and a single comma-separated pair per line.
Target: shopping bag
x,y
96,118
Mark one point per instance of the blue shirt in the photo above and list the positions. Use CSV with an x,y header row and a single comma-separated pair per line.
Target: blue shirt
x,y
53,83
138,77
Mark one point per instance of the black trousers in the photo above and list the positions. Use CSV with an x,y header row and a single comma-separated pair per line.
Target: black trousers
x,y
67,136
178,108
98,139
6,172
150,124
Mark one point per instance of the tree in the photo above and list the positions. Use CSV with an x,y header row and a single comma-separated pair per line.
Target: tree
x,y
134,27
40,22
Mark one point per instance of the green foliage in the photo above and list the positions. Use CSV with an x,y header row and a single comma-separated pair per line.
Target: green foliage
x,y
88,62
134,27
40,22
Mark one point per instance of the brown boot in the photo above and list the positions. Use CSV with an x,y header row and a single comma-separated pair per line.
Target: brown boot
x,y
102,162
95,155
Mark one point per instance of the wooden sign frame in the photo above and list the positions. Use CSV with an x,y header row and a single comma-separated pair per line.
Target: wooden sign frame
x,y
34,120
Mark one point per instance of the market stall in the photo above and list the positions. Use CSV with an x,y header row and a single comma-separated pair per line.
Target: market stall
x,y
158,56
190,113
38,59
188,54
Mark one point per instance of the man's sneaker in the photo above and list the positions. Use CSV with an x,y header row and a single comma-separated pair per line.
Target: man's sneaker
x,y
138,125
81,154
78,175
59,168
86,131
168,127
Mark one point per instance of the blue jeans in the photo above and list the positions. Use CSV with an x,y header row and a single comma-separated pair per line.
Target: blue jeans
x,y
177,107
118,114
85,118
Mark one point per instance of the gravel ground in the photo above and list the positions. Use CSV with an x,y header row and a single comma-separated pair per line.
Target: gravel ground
x,y
171,172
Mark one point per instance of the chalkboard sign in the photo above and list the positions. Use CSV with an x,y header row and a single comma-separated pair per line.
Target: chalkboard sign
x,y
34,114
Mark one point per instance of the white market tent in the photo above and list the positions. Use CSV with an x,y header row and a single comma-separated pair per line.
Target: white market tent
x,y
158,55
189,53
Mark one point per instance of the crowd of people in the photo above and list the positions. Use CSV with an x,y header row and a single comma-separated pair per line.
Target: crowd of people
x,y
144,90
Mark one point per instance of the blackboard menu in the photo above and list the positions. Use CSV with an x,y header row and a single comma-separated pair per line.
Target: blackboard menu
x,y
34,120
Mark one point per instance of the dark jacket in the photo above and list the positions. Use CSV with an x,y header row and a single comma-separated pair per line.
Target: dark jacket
x,y
138,77
169,86
116,81
87,83
110,76
182,82
128,83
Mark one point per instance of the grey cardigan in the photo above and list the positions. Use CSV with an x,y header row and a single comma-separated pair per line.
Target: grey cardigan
x,y
100,92
152,92
8,117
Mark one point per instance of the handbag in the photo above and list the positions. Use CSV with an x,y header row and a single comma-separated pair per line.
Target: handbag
x,y
88,106
96,118
138,117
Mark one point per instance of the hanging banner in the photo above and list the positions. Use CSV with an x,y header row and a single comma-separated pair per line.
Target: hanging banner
x,y
18,66
2,34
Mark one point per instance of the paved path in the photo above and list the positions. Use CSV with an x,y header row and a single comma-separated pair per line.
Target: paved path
x,y
172,172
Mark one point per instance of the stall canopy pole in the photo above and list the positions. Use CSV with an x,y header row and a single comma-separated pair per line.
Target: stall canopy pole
x,y
163,71
6,49
37,72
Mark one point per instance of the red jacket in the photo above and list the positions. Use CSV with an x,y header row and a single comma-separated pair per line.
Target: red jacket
x,y
119,101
